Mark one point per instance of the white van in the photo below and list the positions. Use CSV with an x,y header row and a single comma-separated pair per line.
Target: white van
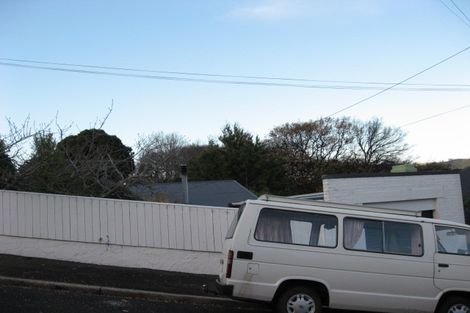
x,y
302,255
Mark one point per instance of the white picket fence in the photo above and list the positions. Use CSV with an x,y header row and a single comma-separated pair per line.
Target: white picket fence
x,y
113,222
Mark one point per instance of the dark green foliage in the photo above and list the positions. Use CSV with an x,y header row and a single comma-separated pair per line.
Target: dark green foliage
x,y
297,155
46,170
97,162
210,165
7,168
91,163
91,147
242,158
353,166
291,161
433,166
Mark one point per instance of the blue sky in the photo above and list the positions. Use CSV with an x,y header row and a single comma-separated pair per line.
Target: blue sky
x,y
369,40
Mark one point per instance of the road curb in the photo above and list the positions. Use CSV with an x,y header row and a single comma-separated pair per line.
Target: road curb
x,y
112,291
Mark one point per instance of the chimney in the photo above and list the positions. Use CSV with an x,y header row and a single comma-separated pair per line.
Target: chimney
x,y
184,182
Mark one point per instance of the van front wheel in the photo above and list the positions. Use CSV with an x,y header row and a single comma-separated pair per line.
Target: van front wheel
x,y
455,305
299,300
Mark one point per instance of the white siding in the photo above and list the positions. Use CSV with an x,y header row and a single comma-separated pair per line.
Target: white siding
x,y
442,193
113,222
408,205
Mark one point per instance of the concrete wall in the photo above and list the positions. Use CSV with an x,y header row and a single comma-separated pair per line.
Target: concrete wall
x,y
441,193
117,255
115,232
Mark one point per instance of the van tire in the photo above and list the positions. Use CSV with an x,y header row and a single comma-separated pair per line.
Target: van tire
x,y
298,297
454,302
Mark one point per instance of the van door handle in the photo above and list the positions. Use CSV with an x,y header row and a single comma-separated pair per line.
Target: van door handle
x,y
443,265
245,255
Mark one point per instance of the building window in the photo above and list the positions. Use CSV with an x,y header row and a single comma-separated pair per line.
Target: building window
x,y
428,214
453,240
383,236
299,228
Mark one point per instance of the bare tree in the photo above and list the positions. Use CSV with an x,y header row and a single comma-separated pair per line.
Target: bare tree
x,y
89,163
161,156
17,138
309,147
376,143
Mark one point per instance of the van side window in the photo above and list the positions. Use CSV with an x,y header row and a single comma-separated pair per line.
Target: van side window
x,y
403,238
383,236
362,234
453,240
299,228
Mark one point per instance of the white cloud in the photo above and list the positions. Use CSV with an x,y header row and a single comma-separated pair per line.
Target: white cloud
x,y
289,9
271,10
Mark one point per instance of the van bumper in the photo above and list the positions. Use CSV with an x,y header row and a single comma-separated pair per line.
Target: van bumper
x,y
218,288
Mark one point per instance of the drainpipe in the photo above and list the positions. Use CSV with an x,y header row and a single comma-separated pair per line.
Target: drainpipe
x,y
184,182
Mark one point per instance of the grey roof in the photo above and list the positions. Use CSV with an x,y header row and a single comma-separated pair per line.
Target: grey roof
x,y
387,174
210,193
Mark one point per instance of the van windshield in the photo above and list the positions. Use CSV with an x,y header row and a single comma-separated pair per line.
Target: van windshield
x,y
233,226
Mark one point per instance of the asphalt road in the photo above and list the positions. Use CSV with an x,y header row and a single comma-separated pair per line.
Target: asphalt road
x,y
37,300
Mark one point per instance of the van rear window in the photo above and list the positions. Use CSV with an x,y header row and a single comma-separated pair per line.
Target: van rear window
x,y
233,225
298,228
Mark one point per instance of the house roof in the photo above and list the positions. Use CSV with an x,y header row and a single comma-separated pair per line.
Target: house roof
x,y
464,177
210,193
388,174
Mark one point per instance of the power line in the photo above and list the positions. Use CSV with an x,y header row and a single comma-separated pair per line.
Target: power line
x,y
435,115
173,78
232,82
401,82
457,15
231,76
463,13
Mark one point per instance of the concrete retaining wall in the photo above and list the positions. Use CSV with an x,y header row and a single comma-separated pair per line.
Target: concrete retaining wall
x,y
162,259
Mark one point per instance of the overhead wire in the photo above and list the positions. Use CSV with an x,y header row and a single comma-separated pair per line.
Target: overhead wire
x,y
466,21
253,83
461,87
233,82
463,20
460,10
401,82
435,115
428,87
173,78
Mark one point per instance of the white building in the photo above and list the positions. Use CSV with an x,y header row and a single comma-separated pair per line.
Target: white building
x,y
437,195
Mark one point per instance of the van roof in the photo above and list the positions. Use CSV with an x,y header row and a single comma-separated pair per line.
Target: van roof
x,y
351,208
